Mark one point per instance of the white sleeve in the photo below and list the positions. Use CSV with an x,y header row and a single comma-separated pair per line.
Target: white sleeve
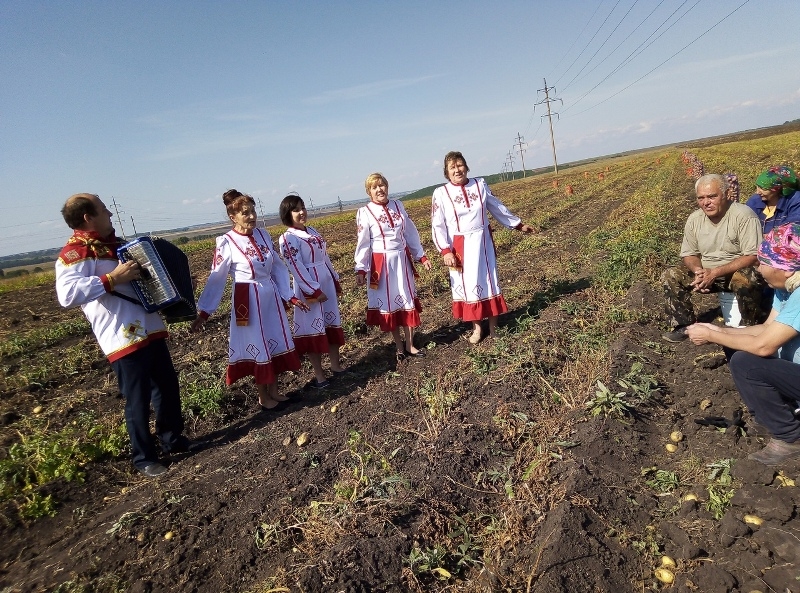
x,y
215,285
279,272
496,208
76,284
411,234
439,222
363,254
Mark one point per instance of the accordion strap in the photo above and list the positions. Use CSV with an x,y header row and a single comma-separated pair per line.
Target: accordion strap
x,y
125,297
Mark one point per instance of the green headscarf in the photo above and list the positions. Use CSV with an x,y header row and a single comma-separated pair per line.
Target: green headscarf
x,y
781,178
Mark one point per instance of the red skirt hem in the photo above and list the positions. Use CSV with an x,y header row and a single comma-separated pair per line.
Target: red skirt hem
x,y
335,336
391,321
311,344
480,310
264,372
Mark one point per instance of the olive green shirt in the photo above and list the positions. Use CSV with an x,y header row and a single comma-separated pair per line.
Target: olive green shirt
x,y
737,234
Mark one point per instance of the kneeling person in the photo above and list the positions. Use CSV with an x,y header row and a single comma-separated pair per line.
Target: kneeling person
x,y
720,242
766,368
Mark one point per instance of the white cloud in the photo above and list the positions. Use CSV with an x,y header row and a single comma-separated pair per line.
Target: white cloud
x,y
369,89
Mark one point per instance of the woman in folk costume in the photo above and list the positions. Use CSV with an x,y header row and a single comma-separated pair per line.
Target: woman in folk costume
x,y
317,331
388,245
460,228
260,341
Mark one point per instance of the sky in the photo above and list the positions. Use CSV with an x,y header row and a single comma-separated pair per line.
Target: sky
x,y
160,106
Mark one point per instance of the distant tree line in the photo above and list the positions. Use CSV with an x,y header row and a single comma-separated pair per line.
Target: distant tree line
x,y
20,272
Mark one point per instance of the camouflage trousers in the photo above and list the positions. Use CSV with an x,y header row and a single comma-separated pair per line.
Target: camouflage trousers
x,y
745,284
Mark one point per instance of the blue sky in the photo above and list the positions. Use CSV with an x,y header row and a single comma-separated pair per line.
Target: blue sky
x,y
165,105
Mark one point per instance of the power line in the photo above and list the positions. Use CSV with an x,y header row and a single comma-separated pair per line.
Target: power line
x,y
621,43
565,54
668,59
602,45
630,57
588,42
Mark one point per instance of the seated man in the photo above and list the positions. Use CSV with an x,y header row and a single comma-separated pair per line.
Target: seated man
x,y
777,199
766,366
720,242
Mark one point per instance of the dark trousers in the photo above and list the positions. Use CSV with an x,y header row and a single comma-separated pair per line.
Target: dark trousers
x,y
770,388
147,376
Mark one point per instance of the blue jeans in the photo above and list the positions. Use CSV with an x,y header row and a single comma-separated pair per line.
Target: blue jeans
x,y
147,376
770,387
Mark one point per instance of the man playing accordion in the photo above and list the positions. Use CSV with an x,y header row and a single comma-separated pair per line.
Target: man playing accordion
x,y
89,275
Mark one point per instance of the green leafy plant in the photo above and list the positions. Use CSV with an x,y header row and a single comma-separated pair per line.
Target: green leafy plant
x,y
40,457
607,403
438,399
126,521
483,362
203,392
639,382
428,560
36,506
661,480
265,535
498,476
719,499
721,471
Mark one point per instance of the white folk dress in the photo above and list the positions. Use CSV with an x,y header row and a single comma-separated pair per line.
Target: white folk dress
x,y
460,225
388,244
306,255
260,342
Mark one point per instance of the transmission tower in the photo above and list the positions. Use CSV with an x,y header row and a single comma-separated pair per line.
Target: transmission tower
x,y
119,218
546,101
261,210
511,163
521,151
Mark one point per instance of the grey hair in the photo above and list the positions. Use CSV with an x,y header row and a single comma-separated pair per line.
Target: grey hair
x,y
706,179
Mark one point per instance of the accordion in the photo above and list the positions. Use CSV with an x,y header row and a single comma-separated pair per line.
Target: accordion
x,y
166,282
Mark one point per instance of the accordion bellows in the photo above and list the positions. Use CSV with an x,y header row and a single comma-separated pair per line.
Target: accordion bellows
x,y
166,282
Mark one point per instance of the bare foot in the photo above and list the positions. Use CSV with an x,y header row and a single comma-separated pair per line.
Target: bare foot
x,y
268,403
476,336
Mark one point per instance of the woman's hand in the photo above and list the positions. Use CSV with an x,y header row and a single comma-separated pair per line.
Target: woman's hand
x,y
322,297
197,324
361,279
526,228
299,304
426,264
450,260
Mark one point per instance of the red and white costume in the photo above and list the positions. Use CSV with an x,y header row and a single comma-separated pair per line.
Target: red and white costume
x,y
306,255
260,342
388,244
82,269
460,225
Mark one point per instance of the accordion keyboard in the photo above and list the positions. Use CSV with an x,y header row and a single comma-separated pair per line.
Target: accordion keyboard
x,y
155,283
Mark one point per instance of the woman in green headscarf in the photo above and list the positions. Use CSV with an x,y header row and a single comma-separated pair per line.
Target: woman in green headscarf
x,y
777,199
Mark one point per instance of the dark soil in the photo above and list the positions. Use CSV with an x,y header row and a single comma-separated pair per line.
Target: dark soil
x,y
256,512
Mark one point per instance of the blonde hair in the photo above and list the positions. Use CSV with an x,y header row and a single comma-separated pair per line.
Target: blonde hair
x,y
373,179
